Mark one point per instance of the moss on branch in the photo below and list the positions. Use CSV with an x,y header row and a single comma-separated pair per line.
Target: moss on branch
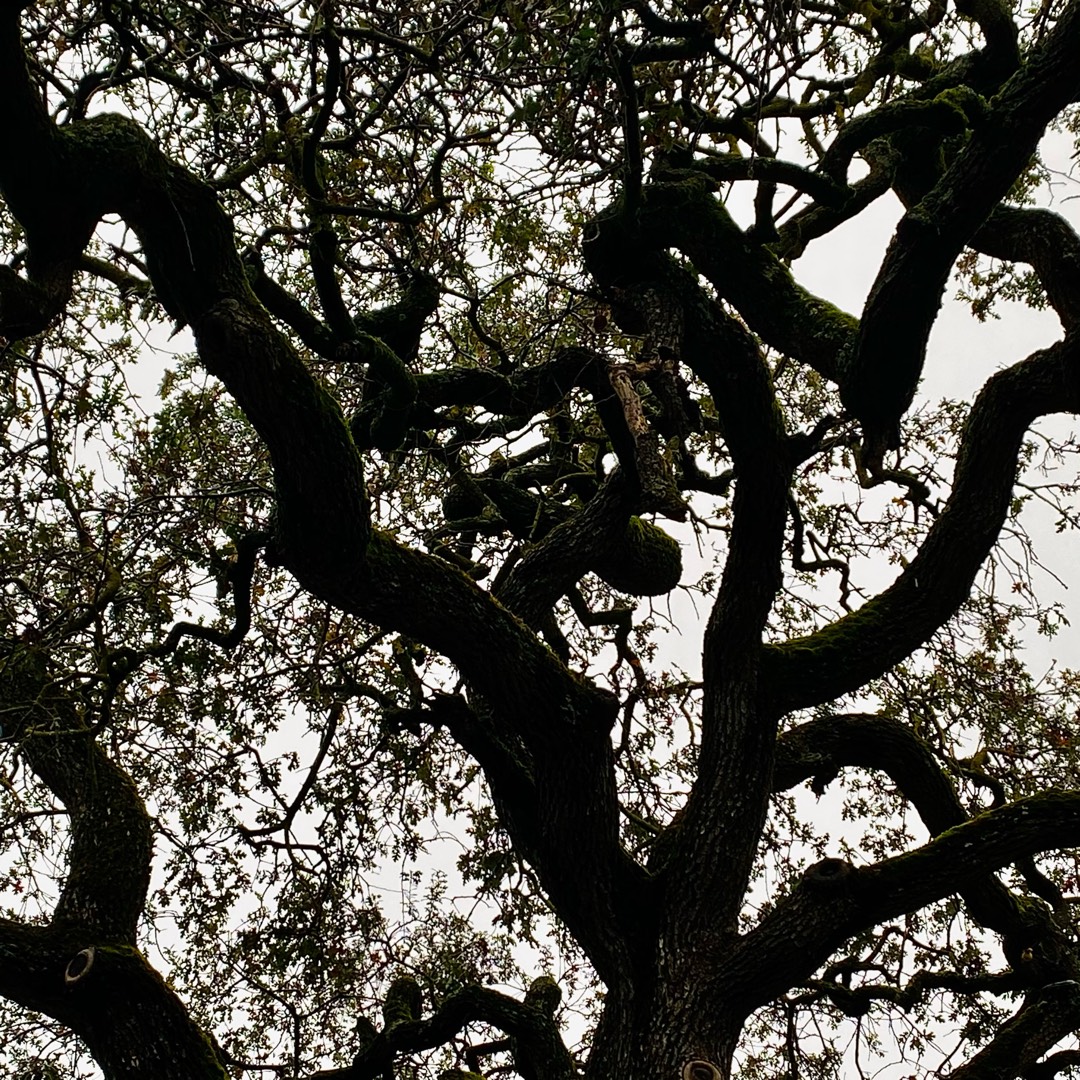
x,y
851,651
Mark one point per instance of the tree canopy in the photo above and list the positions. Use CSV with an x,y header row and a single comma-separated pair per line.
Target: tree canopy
x,y
397,399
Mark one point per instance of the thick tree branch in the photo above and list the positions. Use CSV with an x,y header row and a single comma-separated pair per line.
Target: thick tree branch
x,y
83,969
715,847
823,187
848,653
950,113
526,690
712,852
683,212
108,164
995,21
322,530
1051,1066
1047,1016
34,177
835,899
98,988
111,841
880,379
820,748
1048,243
539,1053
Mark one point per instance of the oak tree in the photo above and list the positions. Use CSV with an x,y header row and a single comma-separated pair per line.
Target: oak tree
x,y
397,399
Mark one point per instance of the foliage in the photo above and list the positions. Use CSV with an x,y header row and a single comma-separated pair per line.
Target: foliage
x,y
396,397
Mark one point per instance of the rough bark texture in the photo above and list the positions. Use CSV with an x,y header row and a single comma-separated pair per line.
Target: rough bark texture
x,y
681,974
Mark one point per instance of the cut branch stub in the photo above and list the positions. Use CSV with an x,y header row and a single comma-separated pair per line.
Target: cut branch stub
x,y
701,1070
79,966
404,1002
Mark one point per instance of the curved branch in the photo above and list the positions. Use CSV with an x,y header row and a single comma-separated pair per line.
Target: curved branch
x,y
83,969
994,19
856,1001
522,394
239,576
111,837
880,379
814,221
849,653
539,1052
108,164
533,710
685,214
1046,1017
714,849
820,748
825,188
712,852
1048,243
568,552
1054,1064
99,991
835,900
947,114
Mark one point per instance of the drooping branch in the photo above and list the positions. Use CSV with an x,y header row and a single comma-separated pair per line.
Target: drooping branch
x,y
821,748
199,277
1048,243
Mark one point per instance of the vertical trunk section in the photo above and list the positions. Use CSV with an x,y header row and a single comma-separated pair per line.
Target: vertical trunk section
x,y
661,1034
